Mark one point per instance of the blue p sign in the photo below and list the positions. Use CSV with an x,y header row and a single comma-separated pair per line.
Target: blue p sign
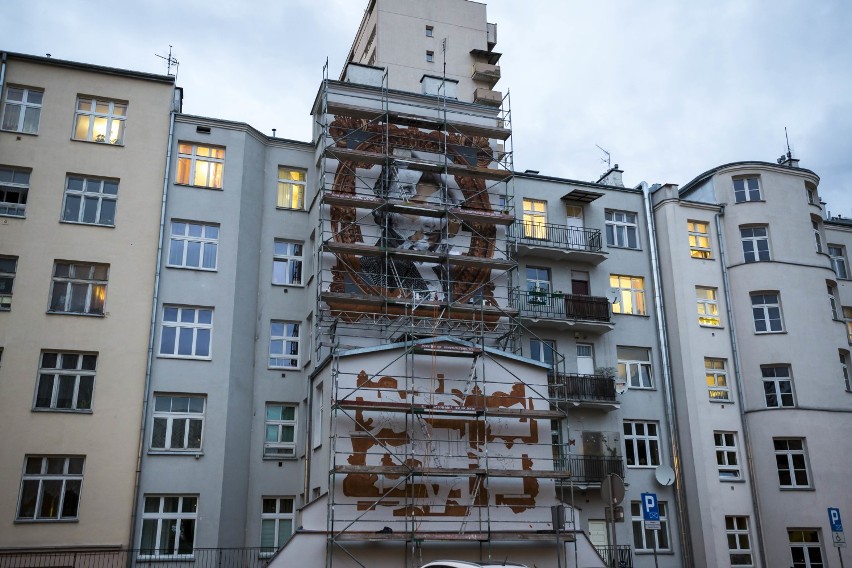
x,y
650,509
834,519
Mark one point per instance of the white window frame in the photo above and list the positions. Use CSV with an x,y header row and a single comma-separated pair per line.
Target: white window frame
x,y
276,511
538,281
844,369
171,416
832,300
197,327
24,106
737,534
158,517
288,257
838,261
292,183
80,277
430,56
752,239
775,378
58,368
747,188
699,239
817,235
716,374
801,541
631,294
430,31
113,117
275,425
633,372
284,337
14,182
92,190
41,469
794,452
317,411
708,306
641,443
727,455
534,218
847,315
650,538
8,269
186,234
200,165
764,305
621,228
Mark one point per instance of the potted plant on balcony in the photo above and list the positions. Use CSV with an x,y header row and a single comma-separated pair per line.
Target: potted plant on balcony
x,y
538,296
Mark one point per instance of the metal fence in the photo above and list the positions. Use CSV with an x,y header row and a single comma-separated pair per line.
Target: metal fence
x,y
572,386
616,556
553,305
557,236
590,469
200,557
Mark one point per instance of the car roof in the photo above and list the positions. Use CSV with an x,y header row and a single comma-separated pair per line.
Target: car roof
x,y
465,564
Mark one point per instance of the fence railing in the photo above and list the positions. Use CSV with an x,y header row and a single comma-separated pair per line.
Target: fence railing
x,y
591,469
616,556
557,236
199,557
555,305
594,388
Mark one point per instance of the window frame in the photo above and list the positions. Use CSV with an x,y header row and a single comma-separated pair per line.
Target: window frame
x,y
534,218
765,308
317,412
24,105
538,279
737,527
837,254
71,282
276,517
633,367
191,164
754,243
179,516
196,325
712,375
619,229
79,373
19,188
639,530
7,276
65,477
699,239
771,377
288,185
287,259
286,340
789,455
280,424
727,456
844,369
84,196
636,296
806,545
747,193
171,416
636,445
94,115
430,56
818,240
203,241
430,31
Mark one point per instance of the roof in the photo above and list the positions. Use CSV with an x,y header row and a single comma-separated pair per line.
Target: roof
x,y
168,79
698,180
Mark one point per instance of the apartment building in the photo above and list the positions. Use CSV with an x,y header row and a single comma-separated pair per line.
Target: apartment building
x,y
82,151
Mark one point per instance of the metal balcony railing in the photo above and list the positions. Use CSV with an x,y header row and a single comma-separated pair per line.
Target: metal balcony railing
x,y
198,558
562,306
593,388
558,236
616,556
591,469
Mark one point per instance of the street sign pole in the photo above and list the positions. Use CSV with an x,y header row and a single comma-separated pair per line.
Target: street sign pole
x,y
838,539
656,534
840,556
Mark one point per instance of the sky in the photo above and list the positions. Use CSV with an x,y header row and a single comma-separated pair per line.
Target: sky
x,y
669,88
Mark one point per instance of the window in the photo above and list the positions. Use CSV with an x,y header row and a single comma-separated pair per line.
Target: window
x,y
699,239
291,188
542,350
777,386
66,381
726,455
168,525
200,166
50,488
755,244
811,194
276,523
708,307
284,345
430,56
746,189
847,315
78,288
538,279
739,541
8,267
193,245
792,463
90,201
805,548
287,263
317,408
642,442
621,229
766,310
22,110
844,370
14,187
630,294
634,367
186,332
430,31
832,301
817,236
717,379
838,261
647,540
280,431
100,121
178,422
535,219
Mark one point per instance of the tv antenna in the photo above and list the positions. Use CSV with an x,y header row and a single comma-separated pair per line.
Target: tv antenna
x,y
170,61
789,154
607,160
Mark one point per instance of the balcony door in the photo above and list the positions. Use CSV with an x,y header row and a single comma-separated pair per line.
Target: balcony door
x,y
580,283
585,359
576,234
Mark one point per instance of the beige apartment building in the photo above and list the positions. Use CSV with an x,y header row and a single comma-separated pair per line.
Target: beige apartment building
x,y
82,156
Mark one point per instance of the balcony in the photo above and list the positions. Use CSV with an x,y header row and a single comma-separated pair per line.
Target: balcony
x,y
616,556
485,73
564,311
583,391
488,97
590,470
560,241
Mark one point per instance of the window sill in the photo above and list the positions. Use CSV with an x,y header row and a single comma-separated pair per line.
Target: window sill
x,y
642,466
721,401
40,521
282,368
749,201
770,332
63,410
796,489
183,357
5,309
637,249
55,313
65,222
18,132
199,186
7,215
708,326
193,268
288,285
650,552
280,458
634,315
186,453
702,258
731,480
165,558
290,208
121,145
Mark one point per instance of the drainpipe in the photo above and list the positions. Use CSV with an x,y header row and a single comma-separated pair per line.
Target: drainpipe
x,y
738,380
671,411
146,395
2,70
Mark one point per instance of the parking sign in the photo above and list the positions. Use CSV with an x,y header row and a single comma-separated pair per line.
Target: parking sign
x,y
834,519
650,511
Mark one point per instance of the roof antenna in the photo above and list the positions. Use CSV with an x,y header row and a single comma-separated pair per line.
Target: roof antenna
x,y
170,61
607,160
789,155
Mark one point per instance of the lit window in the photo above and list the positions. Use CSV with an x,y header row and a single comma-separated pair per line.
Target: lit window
x,y
168,526
766,311
727,460
699,239
291,188
50,488
777,386
746,189
8,267
178,422
200,166
621,229
90,201
186,332
100,121
647,540
280,438
535,219
634,367
630,294
430,56
642,443
708,307
844,370
14,187
430,31
805,548
284,345
791,459
66,381
78,288
717,379
193,245
838,261
22,109
739,541
755,242
276,523
287,263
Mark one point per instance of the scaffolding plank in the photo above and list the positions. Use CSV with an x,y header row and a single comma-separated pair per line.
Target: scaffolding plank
x,y
485,536
454,169
422,209
364,249
446,410
449,471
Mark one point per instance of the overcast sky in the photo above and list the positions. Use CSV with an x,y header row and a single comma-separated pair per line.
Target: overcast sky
x,y
669,88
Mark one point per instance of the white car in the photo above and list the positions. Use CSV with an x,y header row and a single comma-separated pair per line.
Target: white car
x,y
463,564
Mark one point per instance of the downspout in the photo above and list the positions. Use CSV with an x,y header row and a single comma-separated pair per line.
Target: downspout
x,y
146,395
2,71
739,382
671,411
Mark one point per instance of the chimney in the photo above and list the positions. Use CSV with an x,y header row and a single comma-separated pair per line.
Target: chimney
x,y
612,177
788,160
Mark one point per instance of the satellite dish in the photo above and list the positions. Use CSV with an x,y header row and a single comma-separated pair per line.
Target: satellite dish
x,y
614,295
665,475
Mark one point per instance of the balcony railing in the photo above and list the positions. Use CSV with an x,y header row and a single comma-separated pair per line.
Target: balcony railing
x,y
590,469
562,306
593,388
198,558
558,236
616,556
